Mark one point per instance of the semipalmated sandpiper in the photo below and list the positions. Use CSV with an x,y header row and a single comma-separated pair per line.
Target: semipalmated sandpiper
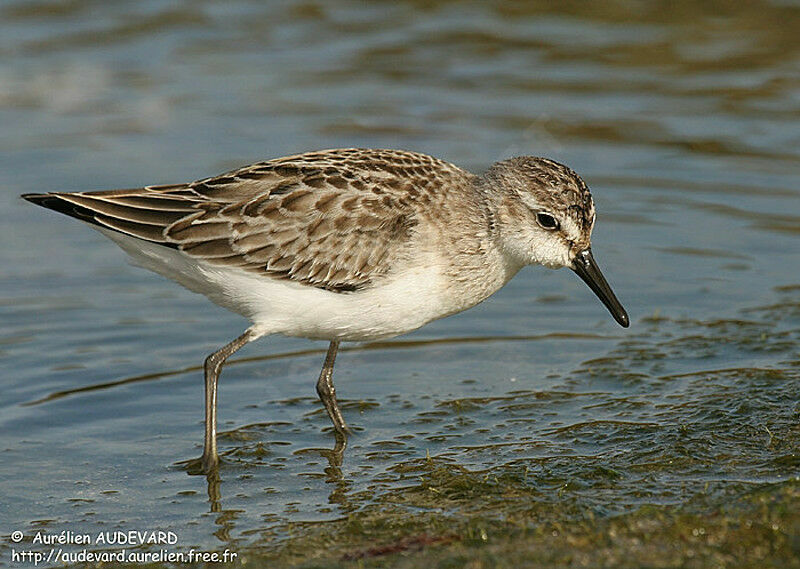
x,y
348,244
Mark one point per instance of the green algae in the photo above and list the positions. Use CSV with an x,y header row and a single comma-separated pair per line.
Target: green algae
x,y
759,527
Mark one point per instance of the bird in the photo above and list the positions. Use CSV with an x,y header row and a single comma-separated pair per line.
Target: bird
x,y
348,245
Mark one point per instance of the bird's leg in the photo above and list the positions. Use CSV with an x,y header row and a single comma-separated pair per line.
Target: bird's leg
x,y
327,393
212,366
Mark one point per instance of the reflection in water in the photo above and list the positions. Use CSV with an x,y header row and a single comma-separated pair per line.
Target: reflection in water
x,y
226,520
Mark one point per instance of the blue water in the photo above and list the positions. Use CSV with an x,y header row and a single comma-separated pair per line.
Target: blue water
x,y
683,121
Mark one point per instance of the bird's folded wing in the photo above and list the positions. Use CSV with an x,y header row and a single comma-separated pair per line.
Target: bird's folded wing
x,y
312,221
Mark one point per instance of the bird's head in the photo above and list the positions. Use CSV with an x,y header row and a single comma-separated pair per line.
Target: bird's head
x,y
545,214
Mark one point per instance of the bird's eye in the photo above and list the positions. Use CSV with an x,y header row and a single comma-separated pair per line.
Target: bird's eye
x,y
547,221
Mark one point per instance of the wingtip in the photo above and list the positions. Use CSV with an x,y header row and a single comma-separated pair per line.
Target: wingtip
x,y
55,202
48,200
33,198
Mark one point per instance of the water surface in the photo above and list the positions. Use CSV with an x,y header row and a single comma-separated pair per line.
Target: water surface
x,y
534,408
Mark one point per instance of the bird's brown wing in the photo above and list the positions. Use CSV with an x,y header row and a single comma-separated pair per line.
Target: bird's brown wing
x,y
332,219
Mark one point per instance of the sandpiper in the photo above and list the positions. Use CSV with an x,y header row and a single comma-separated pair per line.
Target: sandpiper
x,y
348,244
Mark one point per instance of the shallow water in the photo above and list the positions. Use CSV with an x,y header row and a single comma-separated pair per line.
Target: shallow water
x,y
682,119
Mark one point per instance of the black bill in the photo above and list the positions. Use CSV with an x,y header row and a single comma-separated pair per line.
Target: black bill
x,y
587,269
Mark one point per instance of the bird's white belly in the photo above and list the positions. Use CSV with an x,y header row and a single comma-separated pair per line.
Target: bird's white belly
x,y
403,303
